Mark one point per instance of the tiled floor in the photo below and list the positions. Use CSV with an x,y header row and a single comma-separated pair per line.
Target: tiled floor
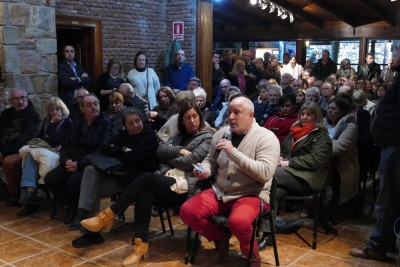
x,y
38,241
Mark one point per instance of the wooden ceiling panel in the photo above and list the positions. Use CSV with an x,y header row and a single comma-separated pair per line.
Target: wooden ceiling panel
x,y
317,13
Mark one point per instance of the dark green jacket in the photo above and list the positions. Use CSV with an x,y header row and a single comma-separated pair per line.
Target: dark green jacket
x,y
309,157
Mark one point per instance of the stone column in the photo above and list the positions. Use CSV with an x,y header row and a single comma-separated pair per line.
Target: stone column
x,y
28,48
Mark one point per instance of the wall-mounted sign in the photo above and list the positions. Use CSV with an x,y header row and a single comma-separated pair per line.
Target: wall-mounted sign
x,y
177,29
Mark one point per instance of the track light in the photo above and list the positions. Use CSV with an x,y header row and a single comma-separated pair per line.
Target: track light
x,y
271,8
263,4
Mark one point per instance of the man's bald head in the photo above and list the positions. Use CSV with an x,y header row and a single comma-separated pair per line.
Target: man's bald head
x,y
240,114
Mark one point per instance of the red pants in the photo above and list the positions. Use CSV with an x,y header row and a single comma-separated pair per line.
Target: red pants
x,y
12,169
196,212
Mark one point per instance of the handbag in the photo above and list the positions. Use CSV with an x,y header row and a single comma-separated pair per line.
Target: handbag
x,y
40,143
106,164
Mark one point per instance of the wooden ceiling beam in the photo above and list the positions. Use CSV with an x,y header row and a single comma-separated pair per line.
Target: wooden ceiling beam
x,y
228,19
300,13
340,13
378,11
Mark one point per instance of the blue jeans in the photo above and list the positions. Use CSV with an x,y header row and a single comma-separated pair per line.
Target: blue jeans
x,y
30,172
388,201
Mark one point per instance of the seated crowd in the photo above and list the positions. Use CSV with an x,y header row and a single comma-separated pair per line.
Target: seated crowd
x,y
307,126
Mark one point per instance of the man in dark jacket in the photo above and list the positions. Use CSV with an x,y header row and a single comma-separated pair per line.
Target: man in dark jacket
x,y
131,99
18,124
217,74
227,63
71,76
369,69
90,131
385,129
324,67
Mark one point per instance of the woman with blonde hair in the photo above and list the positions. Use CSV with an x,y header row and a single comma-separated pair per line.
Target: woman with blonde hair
x,y
346,70
114,112
109,82
240,78
38,161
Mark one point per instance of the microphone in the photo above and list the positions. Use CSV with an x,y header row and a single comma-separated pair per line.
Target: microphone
x,y
225,136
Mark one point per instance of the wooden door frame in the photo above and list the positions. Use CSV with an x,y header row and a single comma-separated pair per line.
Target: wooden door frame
x,y
95,38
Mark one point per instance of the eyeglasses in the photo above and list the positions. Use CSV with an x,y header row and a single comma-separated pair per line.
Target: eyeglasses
x,y
95,104
296,85
21,98
115,68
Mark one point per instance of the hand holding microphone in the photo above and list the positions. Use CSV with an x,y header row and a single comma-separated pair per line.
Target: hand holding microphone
x,y
223,144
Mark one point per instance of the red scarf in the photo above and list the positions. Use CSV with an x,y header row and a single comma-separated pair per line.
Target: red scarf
x,y
298,132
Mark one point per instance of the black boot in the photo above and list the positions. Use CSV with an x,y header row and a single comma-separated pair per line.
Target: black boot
x,y
81,214
71,213
29,209
264,242
88,240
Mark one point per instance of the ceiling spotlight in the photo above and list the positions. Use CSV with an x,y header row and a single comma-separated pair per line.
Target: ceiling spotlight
x,y
253,2
284,15
271,8
280,11
291,17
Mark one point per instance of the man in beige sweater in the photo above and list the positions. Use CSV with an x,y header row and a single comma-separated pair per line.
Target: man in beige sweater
x,y
245,164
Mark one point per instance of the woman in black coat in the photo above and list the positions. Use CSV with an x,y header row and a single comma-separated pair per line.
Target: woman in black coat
x,y
109,82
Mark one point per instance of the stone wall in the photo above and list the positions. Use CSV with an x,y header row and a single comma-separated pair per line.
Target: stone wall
x,y
130,26
28,48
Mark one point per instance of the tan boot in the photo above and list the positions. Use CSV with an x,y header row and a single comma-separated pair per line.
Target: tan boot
x,y
139,249
103,220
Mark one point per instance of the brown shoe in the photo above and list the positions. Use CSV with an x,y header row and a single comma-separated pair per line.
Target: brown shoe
x,y
222,245
366,252
140,249
102,221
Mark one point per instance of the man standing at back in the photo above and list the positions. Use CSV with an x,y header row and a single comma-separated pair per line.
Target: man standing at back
x,y
227,63
71,76
324,67
178,73
369,69
385,129
18,124
389,73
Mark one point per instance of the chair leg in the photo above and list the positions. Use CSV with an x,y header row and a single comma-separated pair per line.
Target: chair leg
x,y
373,186
253,237
196,246
160,213
272,227
171,229
189,245
316,209
54,208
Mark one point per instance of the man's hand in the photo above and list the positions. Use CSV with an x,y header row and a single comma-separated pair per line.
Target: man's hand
x,y
184,152
225,145
282,162
200,175
71,166
85,75
216,66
